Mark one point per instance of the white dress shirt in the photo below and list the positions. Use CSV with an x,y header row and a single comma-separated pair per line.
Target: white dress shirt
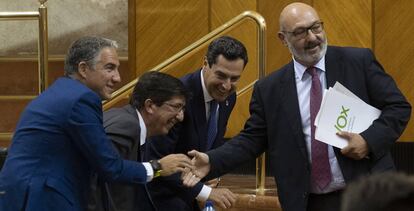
x,y
142,138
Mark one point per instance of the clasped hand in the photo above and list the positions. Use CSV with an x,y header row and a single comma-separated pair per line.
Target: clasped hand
x,y
201,167
221,197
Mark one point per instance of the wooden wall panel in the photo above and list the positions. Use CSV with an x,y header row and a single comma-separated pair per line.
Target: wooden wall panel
x,y
347,22
394,47
166,27
222,11
277,54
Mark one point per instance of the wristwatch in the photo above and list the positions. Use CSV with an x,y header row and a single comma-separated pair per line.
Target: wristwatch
x,y
156,167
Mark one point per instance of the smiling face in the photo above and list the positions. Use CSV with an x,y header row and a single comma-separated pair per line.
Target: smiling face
x,y
103,77
310,48
164,116
221,78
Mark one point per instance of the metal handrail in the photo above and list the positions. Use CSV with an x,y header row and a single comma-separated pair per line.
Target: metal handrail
x,y
124,91
41,16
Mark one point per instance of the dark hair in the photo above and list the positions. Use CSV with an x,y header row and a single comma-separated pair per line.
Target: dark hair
x,y
157,86
229,47
380,192
86,49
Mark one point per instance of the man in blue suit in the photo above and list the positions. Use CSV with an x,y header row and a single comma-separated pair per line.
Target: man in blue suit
x,y
157,104
215,83
311,178
59,140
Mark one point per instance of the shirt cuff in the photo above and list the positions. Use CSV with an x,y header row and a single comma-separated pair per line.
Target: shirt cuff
x,y
150,172
204,193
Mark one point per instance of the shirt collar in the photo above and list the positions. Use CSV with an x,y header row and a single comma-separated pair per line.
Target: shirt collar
x,y
300,69
207,96
143,134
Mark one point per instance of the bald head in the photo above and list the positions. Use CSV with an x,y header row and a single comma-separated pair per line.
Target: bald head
x,y
301,30
296,14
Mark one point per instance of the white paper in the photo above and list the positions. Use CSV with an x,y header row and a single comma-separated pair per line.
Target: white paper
x,y
342,89
342,112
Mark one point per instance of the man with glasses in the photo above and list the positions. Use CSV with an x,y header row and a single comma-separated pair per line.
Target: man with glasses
x,y
157,104
309,174
206,115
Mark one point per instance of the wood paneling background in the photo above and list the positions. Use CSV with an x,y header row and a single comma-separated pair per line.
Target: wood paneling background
x,y
394,47
347,22
165,27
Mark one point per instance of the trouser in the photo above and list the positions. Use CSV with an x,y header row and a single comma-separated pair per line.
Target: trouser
x,y
325,202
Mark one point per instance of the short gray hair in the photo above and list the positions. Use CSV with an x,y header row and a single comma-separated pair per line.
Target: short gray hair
x,y
86,49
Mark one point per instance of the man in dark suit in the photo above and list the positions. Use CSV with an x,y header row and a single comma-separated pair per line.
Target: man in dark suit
x,y
157,104
282,110
215,83
59,140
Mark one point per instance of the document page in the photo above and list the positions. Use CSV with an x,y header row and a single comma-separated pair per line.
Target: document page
x,y
342,111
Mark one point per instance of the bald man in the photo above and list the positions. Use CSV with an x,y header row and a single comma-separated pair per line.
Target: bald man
x,y
309,174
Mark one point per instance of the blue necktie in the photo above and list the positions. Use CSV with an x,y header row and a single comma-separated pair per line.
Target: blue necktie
x,y
212,124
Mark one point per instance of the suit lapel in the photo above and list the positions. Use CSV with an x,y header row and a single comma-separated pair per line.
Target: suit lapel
x,y
289,98
335,71
199,111
333,67
140,151
136,148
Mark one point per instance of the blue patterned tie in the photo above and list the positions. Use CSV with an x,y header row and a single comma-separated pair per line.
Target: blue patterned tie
x,y
212,124
321,169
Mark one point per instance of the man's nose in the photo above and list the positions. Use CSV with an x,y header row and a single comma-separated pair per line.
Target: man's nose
x,y
310,35
180,115
227,84
117,77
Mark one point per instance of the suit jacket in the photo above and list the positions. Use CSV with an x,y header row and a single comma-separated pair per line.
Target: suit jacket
x,y
275,125
122,127
59,141
168,193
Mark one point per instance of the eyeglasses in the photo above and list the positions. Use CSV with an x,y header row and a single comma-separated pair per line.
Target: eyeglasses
x,y
176,107
302,32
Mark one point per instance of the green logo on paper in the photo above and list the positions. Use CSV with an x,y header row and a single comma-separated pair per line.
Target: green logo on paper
x,y
342,119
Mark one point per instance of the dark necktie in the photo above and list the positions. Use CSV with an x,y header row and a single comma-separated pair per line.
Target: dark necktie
x,y
212,124
321,169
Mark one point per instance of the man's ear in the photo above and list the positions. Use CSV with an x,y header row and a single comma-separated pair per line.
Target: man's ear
x,y
282,37
205,62
149,106
82,68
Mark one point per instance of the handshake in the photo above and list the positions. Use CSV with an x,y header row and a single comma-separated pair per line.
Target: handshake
x,y
192,171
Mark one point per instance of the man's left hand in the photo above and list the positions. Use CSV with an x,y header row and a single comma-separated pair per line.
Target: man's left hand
x,y
357,148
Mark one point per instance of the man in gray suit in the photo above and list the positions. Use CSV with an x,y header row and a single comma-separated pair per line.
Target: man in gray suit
x,y
157,104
